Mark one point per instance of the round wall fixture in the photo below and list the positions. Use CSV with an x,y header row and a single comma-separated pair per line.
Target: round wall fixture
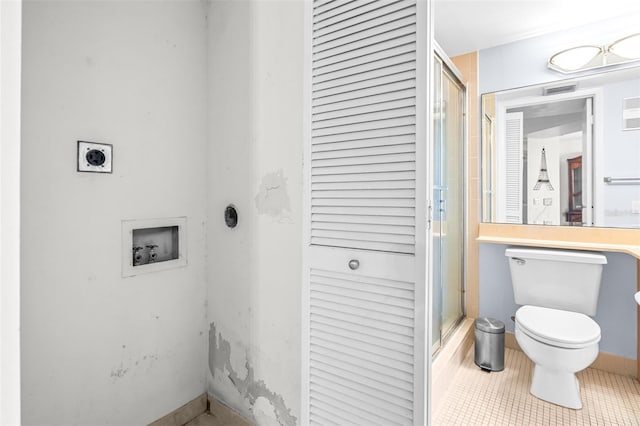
x,y
231,216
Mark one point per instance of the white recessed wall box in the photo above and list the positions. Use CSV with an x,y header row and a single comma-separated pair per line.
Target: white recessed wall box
x,y
95,157
151,245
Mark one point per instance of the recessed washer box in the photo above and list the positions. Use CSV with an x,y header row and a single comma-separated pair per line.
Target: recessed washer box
x,y
151,245
95,157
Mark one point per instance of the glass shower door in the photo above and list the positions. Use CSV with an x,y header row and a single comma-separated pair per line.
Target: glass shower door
x,y
449,204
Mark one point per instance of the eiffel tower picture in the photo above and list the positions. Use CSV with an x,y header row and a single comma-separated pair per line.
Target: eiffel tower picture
x,y
543,177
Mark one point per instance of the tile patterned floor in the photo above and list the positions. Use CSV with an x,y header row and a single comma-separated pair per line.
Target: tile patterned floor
x,y
476,397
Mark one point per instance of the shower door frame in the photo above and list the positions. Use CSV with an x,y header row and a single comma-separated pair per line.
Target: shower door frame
x,y
449,67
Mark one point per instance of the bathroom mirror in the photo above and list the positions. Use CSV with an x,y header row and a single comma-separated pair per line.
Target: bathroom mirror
x,y
564,153
595,175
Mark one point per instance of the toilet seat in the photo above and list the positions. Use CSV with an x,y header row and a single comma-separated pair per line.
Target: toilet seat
x,y
571,330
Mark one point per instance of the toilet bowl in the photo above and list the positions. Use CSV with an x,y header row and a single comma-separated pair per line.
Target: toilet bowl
x,y
559,343
559,290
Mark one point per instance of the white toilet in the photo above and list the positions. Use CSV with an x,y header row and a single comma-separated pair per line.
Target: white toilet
x,y
559,290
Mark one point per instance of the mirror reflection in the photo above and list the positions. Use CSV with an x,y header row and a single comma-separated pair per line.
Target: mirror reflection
x,y
565,153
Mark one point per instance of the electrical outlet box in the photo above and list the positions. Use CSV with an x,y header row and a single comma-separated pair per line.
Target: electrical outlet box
x,y
95,157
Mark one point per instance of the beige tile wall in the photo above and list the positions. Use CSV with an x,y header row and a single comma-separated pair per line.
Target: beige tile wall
x,y
468,65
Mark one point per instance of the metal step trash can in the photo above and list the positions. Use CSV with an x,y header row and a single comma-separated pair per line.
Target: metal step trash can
x,y
489,344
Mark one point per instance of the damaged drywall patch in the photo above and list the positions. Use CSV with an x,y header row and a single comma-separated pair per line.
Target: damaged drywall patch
x,y
248,388
273,198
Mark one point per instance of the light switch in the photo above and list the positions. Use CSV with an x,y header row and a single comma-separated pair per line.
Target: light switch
x,y
94,157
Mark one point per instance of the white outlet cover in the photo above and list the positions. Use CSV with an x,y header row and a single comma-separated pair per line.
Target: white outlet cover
x,y
85,148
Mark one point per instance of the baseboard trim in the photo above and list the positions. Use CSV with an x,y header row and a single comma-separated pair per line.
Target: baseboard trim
x,y
448,360
226,415
605,362
184,414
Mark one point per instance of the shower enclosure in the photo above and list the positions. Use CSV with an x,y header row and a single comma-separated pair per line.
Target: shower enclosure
x,y
449,200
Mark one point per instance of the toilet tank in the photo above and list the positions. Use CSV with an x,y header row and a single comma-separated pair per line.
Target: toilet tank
x,y
560,279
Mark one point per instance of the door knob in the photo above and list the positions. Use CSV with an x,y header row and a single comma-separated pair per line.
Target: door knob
x,y
354,264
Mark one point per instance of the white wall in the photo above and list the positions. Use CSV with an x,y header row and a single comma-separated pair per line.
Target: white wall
x,y
10,43
621,158
99,348
255,120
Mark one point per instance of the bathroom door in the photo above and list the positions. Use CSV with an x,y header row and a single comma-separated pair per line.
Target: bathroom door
x,y
449,206
364,296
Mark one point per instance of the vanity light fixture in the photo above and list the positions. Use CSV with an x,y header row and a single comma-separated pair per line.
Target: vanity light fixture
x,y
580,58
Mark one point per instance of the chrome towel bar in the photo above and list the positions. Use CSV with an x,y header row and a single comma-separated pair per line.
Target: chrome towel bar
x,y
621,181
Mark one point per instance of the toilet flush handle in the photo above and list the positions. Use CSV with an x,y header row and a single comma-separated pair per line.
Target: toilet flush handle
x,y
519,261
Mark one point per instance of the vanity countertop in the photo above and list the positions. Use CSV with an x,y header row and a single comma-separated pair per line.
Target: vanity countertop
x,y
569,237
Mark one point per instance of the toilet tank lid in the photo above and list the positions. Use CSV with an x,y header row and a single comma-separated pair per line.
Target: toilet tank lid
x,y
556,255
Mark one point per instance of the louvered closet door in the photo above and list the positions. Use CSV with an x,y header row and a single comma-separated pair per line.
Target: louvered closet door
x,y
513,168
366,179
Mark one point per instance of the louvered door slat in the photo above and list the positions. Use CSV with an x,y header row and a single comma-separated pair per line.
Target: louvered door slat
x,y
367,185
336,8
370,102
364,143
396,386
370,211
363,236
370,60
362,52
394,86
364,202
389,350
374,133
354,351
365,227
327,418
328,287
382,408
376,220
342,47
365,152
370,177
363,30
349,42
357,392
321,321
348,409
380,158
380,68
321,6
365,168
350,129
352,19
362,302
350,15
360,110
365,193
365,119
345,87
353,320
